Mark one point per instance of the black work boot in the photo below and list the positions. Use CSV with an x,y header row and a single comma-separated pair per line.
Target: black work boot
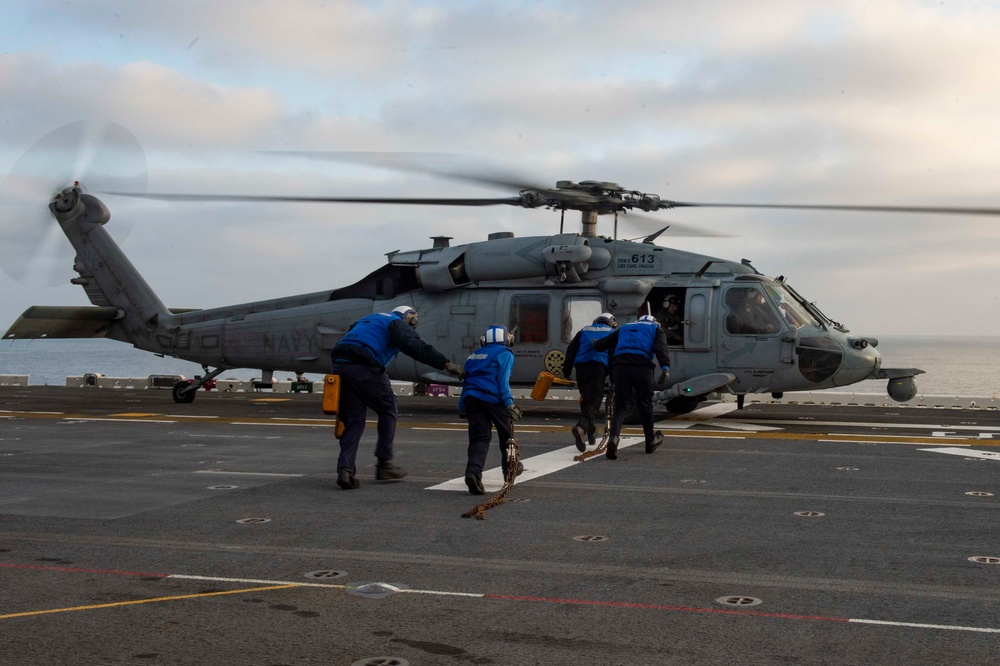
x,y
612,452
475,484
591,438
346,480
386,470
657,440
578,435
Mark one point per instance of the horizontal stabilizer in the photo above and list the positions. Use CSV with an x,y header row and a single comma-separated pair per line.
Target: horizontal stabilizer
x,y
47,321
70,321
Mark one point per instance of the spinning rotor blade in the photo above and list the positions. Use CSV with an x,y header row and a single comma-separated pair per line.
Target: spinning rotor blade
x,y
457,168
584,195
940,210
647,225
511,201
98,155
442,165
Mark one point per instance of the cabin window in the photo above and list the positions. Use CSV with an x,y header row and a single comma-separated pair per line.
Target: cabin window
x,y
749,313
578,313
529,318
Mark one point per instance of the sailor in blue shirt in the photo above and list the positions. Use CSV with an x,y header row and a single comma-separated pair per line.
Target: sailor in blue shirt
x,y
487,403
633,348
360,358
591,371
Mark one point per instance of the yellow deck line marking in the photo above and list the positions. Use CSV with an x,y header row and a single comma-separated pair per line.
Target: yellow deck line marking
x,y
145,601
672,434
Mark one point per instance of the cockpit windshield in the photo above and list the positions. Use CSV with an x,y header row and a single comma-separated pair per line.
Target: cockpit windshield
x,y
792,310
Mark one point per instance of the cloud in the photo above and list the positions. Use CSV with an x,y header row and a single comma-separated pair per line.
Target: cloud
x,y
849,102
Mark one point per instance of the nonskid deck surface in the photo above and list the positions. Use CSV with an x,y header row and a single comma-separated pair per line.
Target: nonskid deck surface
x,y
139,530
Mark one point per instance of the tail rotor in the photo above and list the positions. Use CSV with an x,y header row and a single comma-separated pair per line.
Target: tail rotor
x,y
101,156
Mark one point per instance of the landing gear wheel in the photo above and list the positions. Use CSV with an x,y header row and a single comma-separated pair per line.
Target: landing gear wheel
x,y
188,394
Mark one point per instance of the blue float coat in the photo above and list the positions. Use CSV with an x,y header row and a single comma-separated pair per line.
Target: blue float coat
x,y
487,375
580,349
637,343
378,338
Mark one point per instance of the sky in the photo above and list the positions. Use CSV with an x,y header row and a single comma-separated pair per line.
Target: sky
x,y
846,102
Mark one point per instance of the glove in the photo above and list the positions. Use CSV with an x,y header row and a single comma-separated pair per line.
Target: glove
x,y
453,369
514,412
463,415
664,379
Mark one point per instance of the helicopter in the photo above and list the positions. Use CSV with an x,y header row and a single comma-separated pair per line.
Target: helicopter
x,y
742,332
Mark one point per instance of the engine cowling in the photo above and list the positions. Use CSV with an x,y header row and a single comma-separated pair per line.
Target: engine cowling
x,y
564,256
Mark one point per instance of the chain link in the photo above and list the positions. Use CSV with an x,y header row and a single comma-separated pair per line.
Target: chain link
x,y
514,468
603,445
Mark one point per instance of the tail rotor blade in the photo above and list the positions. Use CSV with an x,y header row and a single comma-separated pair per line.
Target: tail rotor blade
x,y
99,156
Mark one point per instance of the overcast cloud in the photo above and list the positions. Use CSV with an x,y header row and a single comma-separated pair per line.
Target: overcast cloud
x,y
849,102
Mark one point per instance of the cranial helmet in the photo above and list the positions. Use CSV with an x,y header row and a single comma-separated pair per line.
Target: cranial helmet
x,y
606,318
670,299
496,334
408,314
648,318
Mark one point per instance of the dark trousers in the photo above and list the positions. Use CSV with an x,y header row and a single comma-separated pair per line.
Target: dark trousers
x,y
590,380
483,417
363,388
633,383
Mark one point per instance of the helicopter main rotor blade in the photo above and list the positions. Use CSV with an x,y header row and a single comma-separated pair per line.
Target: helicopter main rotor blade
x,y
509,201
647,225
940,210
447,165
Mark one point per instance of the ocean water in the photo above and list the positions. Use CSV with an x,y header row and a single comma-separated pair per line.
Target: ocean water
x,y
955,366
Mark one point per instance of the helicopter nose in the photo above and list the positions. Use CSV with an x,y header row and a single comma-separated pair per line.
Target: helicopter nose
x,y
859,362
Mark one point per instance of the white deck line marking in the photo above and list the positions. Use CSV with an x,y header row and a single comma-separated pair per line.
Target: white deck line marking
x,y
221,471
912,426
475,595
519,430
286,425
869,441
965,453
917,625
81,419
221,579
535,467
724,425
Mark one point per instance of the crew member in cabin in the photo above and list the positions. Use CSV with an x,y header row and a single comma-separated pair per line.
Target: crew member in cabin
x,y
360,358
632,349
591,372
487,403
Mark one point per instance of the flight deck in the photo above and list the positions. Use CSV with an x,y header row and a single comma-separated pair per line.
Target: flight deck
x,y
137,530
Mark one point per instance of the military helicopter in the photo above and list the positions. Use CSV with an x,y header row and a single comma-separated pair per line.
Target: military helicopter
x,y
741,331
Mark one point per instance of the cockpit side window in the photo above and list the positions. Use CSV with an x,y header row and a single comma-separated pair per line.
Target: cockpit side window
x,y
794,314
749,312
